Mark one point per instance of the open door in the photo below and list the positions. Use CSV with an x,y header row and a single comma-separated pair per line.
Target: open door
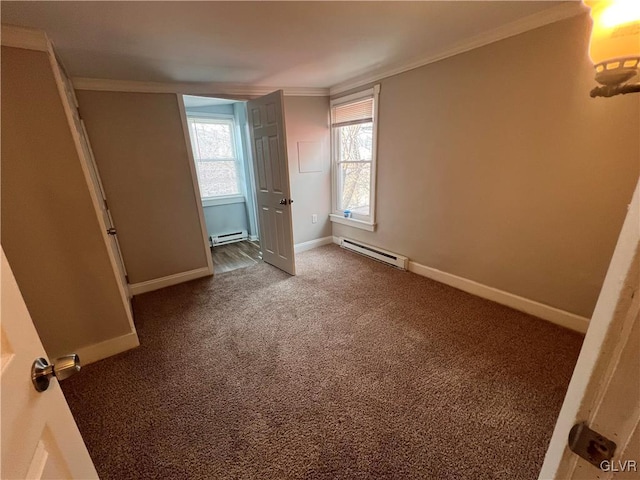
x,y
602,404
40,438
273,193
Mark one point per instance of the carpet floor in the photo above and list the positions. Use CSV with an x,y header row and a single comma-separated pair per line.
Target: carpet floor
x,y
350,370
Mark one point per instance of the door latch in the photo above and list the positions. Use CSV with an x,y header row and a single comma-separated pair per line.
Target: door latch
x,y
64,367
590,445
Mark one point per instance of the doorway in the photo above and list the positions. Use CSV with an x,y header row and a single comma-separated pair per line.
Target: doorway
x,y
222,157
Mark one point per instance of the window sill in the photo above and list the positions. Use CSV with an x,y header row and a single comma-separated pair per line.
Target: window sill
x,y
215,201
352,222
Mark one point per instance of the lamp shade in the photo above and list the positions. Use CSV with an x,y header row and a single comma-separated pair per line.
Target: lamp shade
x,y
615,39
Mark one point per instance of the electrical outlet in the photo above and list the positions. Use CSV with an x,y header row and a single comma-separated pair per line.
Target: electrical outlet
x,y
314,218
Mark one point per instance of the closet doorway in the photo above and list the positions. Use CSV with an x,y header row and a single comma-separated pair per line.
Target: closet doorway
x,y
222,156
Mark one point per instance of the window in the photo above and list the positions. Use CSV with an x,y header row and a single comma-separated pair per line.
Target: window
x,y
353,136
214,151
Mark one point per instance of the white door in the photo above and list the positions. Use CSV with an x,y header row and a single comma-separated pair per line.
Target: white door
x,y
40,438
604,392
271,171
89,162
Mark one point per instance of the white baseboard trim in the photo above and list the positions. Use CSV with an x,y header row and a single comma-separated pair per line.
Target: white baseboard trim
x,y
546,312
158,283
537,309
318,242
253,238
113,346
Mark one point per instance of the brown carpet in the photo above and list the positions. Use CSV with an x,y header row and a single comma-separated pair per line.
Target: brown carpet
x,y
350,370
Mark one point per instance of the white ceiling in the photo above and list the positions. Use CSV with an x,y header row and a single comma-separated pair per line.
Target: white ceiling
x,y
283,44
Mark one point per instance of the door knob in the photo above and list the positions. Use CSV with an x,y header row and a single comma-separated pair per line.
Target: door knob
x,y
63,367
283,201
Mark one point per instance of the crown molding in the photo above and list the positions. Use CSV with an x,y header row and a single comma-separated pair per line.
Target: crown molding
x,y
545,17
21,37
226,89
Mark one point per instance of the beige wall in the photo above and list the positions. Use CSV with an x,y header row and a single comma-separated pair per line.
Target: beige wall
x,y
497,166
50,231
307,120
141,153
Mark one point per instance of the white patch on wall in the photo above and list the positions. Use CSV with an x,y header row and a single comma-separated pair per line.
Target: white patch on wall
x,y
309,157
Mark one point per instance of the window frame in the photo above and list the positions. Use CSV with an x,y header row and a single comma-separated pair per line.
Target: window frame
x,y
212,200
366,222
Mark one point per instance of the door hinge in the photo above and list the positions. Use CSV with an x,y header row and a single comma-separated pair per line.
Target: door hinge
x,y
111,231
590,445
79,114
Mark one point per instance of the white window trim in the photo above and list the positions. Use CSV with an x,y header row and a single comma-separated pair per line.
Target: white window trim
x,y
337,216
352,222
222,199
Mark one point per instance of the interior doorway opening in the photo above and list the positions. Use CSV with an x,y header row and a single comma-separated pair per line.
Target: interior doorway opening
x,y
224,168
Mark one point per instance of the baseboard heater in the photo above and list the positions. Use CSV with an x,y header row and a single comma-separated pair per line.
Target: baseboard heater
x,y
378,254
228,238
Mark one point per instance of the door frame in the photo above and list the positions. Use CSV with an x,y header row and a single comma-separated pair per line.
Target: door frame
x,y
96,197
194,181
94,167
33,39
245,139
613,317
248,164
